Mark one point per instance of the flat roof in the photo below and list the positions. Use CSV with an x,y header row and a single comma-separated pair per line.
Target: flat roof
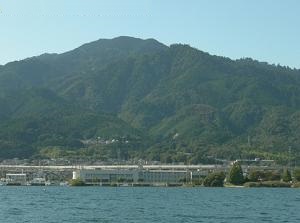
x,y
16,174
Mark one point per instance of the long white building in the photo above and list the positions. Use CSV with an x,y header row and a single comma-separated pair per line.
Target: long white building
x,y
146,174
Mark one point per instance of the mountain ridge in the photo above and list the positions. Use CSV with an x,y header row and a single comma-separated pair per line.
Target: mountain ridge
x,y
213,104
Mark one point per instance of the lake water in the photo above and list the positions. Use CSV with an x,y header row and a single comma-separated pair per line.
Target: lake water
x,y
112,204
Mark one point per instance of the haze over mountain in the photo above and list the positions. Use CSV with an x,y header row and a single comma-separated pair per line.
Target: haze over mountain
x,y
169,103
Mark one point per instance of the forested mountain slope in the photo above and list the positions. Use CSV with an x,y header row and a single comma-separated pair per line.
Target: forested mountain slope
x,y
175,103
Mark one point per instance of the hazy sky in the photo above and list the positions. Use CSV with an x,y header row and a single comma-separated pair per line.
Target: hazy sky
x,y
267,30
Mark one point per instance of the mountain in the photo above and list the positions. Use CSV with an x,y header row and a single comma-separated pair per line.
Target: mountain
x,y
175,104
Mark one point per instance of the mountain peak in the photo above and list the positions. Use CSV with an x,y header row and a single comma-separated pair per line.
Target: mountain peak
x,y
135,40
131,44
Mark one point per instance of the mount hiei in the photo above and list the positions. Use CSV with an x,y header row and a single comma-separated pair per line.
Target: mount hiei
x,y
128,98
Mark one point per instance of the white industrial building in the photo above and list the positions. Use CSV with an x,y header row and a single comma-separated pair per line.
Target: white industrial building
x,y
15,179
137,174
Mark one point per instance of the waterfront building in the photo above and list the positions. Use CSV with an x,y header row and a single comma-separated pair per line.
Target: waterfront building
x,y
16,179
151,174
38,181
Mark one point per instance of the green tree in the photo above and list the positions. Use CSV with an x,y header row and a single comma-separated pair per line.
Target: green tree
x,y
296,174
254,176
236,174
214,180
286,175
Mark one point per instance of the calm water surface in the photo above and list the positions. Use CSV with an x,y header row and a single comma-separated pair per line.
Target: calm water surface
x,y
108,204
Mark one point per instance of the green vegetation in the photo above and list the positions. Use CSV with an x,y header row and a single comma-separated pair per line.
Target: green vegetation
x,y
260,178
172,104
268,184
236,176
286,175
77,182
214,180
259,175
296,175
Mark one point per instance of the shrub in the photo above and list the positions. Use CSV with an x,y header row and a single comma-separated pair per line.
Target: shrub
x,y
267,184
296,174
214,180
77,182
256,175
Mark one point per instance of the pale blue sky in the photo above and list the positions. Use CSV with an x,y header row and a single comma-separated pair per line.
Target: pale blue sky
x,y
267,30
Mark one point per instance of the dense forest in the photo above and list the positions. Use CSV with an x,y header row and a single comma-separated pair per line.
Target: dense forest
x,y
128,98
